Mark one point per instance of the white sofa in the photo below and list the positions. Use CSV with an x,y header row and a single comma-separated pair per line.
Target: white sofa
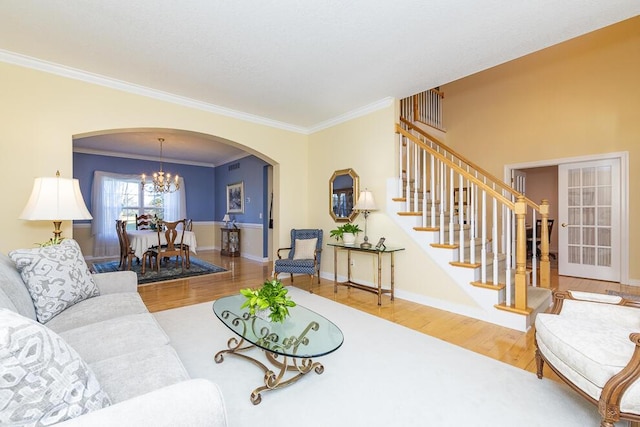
x,y
125,349
592,341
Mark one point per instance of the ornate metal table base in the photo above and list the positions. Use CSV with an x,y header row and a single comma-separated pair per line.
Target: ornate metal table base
x,y
270,341
272,380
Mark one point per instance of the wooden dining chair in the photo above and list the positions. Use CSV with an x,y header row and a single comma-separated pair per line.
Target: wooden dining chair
x,y
173,232
126,251
144,221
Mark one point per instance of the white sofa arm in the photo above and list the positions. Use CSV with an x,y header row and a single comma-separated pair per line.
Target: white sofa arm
x,y
196,402
116,281
589,296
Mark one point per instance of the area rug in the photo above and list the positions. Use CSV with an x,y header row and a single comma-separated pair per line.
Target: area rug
x,y
167,271
625,295
383,375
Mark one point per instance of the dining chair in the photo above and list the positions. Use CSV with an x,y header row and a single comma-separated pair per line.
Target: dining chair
x,y
173,232
144,221
530,244
304,255
126,251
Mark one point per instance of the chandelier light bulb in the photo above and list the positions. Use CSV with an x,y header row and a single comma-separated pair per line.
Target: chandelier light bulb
x,y
159,183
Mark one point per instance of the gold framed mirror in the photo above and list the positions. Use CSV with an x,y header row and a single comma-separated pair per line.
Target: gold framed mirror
x,y
343,190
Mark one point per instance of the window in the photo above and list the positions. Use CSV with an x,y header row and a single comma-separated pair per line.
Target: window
x,y
117,196
137,202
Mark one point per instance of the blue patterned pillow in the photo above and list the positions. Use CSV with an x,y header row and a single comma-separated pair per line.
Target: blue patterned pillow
x,y
43,380
56,276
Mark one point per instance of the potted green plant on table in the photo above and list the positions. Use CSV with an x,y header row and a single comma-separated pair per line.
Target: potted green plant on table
x,y
271,296
346,232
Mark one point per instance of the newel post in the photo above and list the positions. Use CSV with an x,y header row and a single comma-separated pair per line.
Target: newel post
x,y
545,264
521,254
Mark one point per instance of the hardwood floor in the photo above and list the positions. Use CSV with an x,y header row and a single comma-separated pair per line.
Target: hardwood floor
x,y
512,347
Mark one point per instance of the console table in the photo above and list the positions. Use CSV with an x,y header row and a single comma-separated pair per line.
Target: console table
x,y
378,253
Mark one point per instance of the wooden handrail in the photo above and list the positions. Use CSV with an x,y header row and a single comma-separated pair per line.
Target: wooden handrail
x,y
498,181
457,168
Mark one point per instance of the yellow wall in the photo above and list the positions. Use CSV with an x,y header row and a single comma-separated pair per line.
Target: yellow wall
x,y
578,98
41,112
368,146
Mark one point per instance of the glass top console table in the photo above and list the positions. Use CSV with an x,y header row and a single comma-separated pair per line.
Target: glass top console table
x,y
288,346
378,253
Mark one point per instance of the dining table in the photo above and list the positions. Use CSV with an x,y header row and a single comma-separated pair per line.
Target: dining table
x,y
142,240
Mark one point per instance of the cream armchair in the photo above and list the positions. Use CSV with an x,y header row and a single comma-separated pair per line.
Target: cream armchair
x,y
592,341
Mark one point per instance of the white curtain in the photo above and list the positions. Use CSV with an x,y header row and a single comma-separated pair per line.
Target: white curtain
x,y
175,204
107,198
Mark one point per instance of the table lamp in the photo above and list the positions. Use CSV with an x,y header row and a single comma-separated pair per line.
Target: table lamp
x,y
226,220
365,204
55,199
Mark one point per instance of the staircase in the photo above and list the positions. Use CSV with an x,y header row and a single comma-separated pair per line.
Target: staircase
x,y
468,221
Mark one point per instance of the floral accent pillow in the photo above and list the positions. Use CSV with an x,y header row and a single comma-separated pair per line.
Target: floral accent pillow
x,y
43,381
56,276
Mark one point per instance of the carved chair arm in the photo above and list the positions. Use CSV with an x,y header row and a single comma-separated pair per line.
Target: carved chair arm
x,y
613,390
282,249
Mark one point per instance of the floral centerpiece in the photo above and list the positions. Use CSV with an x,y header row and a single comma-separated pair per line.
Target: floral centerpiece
x,y
271,296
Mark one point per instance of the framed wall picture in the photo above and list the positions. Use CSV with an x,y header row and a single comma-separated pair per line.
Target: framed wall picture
x,y
235,198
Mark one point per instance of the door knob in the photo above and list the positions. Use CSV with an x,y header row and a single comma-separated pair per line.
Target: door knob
x,y
564,224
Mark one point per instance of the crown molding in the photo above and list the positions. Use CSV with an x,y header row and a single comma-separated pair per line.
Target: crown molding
x,y
73,73
97,79
358,112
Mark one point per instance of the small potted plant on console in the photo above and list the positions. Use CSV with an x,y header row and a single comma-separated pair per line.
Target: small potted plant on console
x,y
346,232
270,299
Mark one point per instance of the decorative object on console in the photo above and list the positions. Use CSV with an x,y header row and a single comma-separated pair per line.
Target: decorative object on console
x,y
160,182
226,220
347,232
55,199
272,295
365,204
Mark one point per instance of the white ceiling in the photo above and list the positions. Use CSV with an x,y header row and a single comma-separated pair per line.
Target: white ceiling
x,y
291,63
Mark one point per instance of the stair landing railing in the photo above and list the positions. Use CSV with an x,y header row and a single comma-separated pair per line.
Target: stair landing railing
x,y
473,212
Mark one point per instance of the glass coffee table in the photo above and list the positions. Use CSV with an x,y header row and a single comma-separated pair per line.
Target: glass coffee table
x,y
288,346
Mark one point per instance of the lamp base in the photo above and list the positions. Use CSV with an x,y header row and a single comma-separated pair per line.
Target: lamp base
x,y
366,245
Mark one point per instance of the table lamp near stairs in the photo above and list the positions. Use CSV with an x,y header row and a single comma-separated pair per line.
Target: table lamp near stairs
x,y
365,204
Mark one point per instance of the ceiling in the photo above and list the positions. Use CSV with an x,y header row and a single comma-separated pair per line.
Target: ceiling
x,y
300,65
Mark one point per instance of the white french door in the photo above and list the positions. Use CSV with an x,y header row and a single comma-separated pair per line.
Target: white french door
x,y
589,200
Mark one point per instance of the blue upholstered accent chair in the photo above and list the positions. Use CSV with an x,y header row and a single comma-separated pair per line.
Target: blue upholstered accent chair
x,y
304,255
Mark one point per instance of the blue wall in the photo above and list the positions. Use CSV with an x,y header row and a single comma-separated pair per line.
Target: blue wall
x,y
250,171
199,180
205,187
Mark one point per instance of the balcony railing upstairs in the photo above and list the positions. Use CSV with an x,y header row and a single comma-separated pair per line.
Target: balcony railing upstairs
x,y
473,212
424,107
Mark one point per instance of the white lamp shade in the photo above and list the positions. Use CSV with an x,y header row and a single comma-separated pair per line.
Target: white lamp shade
x,y
226,218
366,202
55,199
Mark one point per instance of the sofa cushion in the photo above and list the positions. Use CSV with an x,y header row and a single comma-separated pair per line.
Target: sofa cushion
x,y
14,289
43,379
98,309
139,372
56,276
114,337
595,349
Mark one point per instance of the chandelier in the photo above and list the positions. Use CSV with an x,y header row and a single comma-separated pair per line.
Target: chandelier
x,y
161,182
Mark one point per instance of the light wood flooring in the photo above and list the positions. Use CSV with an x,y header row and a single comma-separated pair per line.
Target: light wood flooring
x,y
507,345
